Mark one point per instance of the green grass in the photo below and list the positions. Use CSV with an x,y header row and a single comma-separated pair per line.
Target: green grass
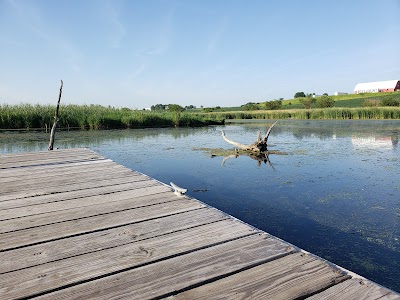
x,y
26,116
348,101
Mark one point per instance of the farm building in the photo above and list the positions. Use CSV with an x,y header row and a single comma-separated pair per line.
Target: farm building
x,y
378,86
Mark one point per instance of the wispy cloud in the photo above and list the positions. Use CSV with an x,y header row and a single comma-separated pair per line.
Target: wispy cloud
x,y
217,34
131,77
32,19
112,11
30,16
165,35
9,42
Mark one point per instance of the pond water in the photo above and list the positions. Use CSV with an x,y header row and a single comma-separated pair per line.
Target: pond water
x,y
336,193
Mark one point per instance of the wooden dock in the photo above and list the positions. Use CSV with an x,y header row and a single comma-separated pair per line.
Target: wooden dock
x,y
75,225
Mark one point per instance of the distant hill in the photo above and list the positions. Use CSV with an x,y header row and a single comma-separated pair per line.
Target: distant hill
x,y
348,101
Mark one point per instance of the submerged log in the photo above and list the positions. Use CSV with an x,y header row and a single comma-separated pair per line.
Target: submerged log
x,y
258,147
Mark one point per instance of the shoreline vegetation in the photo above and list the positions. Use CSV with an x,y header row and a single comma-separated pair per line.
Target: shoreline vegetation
x,y
41,117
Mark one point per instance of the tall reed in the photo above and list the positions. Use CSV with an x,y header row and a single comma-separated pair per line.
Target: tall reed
x,y
27,116
335,113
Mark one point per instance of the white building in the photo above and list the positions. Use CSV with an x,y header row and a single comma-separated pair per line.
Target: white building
x,y
377,86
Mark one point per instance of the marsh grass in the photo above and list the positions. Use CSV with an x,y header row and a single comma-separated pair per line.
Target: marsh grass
x,y
27,116
335,113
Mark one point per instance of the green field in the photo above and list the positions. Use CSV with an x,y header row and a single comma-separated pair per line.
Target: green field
x,y
351,106
350,100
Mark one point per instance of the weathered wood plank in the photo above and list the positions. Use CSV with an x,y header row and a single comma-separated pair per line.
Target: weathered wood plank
x,y
104,190
47,161
96,241
35,184
98,222
356,289
73,203
44,169
53,275
139,197
22,156
46,154
47,190
290,277
179,272
68,170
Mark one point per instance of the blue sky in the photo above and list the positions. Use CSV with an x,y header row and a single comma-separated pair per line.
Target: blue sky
x,y
202,52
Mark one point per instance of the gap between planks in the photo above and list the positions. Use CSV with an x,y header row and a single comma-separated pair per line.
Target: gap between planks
x,y
150,254
34,235
70,195
76,203
111,237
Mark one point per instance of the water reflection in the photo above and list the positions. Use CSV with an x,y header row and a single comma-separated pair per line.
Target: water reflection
x,y
13,141
327,129
375,142
260,158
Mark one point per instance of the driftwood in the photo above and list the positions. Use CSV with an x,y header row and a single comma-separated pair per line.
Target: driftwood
x,y
53,129
260,146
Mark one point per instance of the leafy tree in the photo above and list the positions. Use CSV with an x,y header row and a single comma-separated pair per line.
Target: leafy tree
x,y
299,95
158,107
390,101
325,101
307,102
211,109
250,106
274,104
325,94
176,108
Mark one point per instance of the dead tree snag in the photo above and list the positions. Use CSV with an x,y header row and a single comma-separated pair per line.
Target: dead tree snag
x,y
260,146
53,129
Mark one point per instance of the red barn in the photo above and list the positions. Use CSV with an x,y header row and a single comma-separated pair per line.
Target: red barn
x,y
377,86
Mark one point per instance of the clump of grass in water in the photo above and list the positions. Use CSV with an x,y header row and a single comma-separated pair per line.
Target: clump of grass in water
x,y
334,197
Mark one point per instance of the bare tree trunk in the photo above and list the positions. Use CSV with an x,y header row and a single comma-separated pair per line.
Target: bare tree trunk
x,y
259,146
53,129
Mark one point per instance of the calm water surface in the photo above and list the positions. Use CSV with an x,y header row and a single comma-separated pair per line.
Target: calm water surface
x,y
336,193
